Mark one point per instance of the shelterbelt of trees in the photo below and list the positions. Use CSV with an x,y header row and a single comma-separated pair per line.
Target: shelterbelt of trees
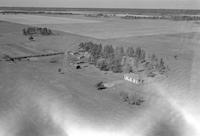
x,y
121,59
167,17
36,30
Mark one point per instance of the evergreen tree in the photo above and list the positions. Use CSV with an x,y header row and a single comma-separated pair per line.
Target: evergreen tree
x,y
119,52
24,31
161,65
108,51
162,62
140,54
130,52
143,55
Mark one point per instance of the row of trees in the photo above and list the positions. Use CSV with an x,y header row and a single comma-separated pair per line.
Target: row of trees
x,y
36,30
120,59
171,17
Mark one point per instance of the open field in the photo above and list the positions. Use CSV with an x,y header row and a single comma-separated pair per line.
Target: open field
x,y
105,28
35,99
117,28
37,19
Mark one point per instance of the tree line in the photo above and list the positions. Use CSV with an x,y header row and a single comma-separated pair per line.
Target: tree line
x,y
169,17
36,30
120,59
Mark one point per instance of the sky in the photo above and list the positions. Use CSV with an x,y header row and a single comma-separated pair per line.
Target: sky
x,y
168,4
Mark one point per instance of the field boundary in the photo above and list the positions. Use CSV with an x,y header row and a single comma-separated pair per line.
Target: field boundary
x,y
8,58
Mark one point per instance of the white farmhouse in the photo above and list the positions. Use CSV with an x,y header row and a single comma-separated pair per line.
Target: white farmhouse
x,y
134,78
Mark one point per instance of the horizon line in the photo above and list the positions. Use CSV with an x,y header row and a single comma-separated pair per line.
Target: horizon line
x,y
98,8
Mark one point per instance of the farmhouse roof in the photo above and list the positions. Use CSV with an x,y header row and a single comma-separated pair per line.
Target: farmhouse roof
x,y
135,75
132,75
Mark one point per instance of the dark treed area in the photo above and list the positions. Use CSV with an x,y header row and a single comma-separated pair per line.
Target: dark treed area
x,y
122,59
36,30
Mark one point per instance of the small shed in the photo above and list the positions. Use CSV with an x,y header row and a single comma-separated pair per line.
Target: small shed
x,y
134,78
31,38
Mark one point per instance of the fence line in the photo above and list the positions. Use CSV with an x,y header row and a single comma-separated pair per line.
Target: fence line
x,y
33,56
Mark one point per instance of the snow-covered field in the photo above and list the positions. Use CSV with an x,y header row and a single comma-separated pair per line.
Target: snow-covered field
x,y
37,19
105,28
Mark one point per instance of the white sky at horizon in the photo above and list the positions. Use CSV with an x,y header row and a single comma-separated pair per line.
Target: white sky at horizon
x,y
168,4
